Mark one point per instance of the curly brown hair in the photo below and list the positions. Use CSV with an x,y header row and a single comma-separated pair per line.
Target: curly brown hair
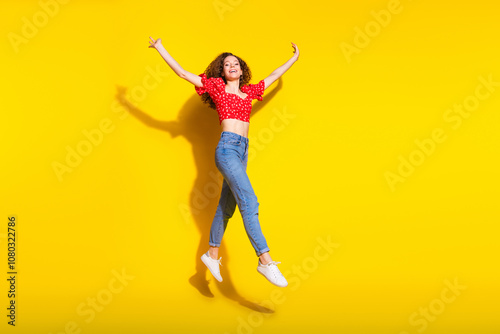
x,y
215,70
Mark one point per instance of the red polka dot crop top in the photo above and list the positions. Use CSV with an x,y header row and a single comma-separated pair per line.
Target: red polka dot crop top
x,y
231,105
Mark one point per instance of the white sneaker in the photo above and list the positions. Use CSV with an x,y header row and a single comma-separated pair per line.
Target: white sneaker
x,y
212,265
272,273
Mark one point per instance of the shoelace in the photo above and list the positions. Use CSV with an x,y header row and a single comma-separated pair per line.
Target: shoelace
x,y
218,261
272,262
274,270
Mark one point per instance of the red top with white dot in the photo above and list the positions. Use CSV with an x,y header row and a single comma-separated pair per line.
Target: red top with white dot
x,y
231,105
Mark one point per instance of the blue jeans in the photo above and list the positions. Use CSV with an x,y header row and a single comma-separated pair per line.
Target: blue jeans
x,y
231,157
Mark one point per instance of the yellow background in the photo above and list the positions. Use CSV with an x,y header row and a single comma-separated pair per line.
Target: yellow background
x,y
142,200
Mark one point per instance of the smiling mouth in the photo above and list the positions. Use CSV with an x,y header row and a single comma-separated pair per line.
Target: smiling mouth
x,y
232,71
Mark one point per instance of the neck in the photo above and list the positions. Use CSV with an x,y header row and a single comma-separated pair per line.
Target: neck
x,y
233,86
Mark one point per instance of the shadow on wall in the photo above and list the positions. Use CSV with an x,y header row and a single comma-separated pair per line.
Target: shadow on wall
x,y
198,124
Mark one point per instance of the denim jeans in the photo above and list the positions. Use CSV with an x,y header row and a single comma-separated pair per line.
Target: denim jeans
x,y
231,157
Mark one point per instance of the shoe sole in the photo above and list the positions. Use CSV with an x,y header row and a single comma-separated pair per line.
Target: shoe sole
x,y
281,286
203,260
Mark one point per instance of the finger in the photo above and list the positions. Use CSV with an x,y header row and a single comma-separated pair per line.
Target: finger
x,y
152,39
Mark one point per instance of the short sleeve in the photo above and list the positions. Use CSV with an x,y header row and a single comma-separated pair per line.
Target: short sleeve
x,y
210,85
255,91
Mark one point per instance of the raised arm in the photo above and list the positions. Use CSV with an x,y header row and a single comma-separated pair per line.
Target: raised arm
x,y
283,68
192,78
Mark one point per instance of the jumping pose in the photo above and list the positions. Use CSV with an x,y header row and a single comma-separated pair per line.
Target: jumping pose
x,y
225,87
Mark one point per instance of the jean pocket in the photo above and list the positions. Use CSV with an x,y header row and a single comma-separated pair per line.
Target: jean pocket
x,y
233,142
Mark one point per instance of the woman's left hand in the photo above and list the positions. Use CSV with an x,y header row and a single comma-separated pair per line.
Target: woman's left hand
x,y
295,50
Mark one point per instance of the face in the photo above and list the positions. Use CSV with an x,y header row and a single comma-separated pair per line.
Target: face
x,y
231,68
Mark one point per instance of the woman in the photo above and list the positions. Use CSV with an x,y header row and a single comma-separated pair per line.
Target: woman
x,y
225,87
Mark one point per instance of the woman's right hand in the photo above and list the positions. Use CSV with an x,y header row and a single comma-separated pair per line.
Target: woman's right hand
x,y
154,44
295,50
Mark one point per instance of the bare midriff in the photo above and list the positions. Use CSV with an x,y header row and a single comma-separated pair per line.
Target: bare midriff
x,y
236,126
